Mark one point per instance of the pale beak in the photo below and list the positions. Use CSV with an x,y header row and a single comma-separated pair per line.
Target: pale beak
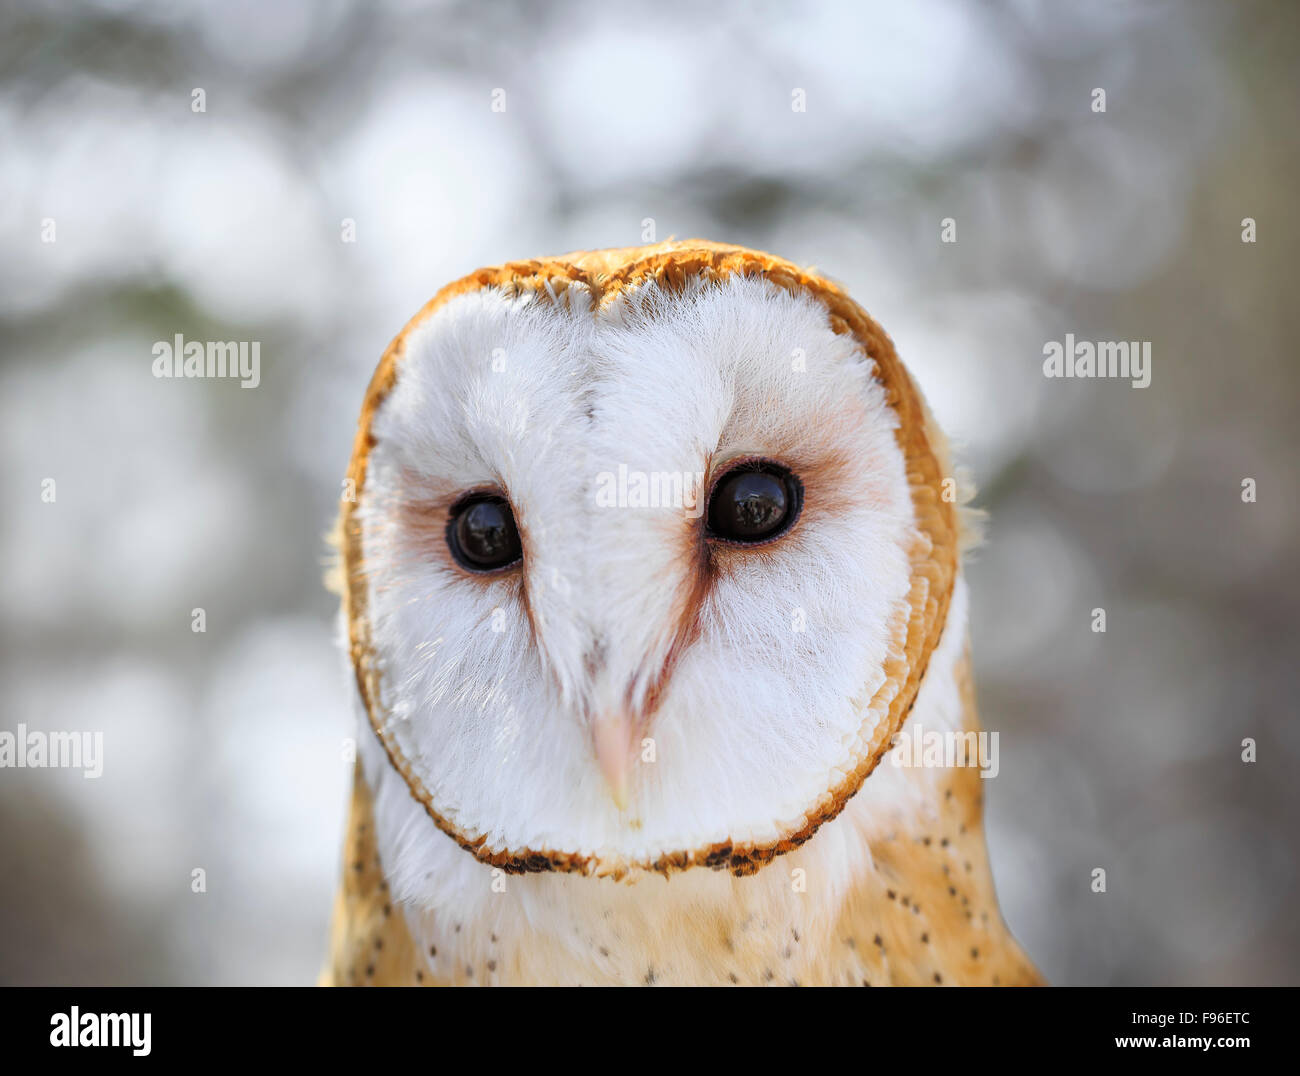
x,y
612,735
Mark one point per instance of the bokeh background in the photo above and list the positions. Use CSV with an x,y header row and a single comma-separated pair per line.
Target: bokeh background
x,y
223,749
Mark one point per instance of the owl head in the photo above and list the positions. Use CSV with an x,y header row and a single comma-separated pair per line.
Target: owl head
x,y
645,555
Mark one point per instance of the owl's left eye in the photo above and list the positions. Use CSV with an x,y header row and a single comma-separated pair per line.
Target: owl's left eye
x,y
482,534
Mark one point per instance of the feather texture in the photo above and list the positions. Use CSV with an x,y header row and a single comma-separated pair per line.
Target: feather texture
x,y
764,840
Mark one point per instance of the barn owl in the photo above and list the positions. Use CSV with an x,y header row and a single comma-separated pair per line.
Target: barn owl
x,y
648,556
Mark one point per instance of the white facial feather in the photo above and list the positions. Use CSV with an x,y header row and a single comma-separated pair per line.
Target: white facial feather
x,y
597,930
763,709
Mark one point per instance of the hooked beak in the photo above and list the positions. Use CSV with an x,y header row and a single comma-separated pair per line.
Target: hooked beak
x,y
613,737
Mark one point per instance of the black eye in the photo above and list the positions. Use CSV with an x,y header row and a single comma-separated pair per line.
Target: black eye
x,y
754,503
482,534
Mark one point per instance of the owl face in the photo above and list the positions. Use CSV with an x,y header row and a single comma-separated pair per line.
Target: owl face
x,y
639,576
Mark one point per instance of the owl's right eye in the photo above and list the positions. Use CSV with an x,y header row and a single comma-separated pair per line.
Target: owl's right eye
x,y
756,502
482,534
